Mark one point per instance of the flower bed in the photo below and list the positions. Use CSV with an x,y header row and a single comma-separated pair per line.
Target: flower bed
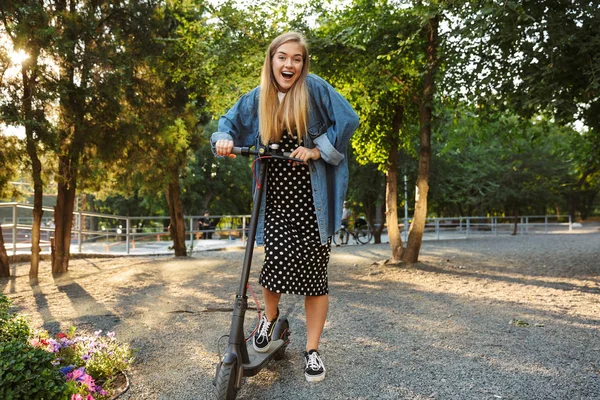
x,y
70,366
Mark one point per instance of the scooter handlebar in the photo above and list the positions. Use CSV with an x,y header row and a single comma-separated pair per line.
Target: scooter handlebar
x,y
264,152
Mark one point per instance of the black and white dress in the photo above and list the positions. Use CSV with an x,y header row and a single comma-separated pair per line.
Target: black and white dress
x,y
295,260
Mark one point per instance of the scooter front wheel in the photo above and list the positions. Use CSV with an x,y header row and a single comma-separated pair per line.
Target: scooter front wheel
x,y
225,382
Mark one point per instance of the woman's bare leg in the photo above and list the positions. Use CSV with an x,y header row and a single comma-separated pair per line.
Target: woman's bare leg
x,y
316,314
271,303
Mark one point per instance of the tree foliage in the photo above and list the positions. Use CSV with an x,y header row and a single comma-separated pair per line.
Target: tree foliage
x,y
534,58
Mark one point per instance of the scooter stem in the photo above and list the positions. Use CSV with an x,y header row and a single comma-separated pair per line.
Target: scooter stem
x,y
236,335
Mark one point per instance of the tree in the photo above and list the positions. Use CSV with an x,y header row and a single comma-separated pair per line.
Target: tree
x,y
223,186
415,236
532,57
501,164
92,46
384,58
9,159
367,189
25,24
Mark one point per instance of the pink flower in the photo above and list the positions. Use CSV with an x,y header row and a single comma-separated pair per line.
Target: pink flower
x,y
76,374
76,397
88,381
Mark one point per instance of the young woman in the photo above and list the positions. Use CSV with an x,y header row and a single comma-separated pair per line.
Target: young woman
x,y
303,202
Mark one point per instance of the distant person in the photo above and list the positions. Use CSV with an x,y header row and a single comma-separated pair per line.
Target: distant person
x,y
345,224
206,226
51,225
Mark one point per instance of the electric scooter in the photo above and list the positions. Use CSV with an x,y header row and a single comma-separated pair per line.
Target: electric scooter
x,y
240,359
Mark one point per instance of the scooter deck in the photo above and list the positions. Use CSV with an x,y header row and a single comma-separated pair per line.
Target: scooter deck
x,y
259,360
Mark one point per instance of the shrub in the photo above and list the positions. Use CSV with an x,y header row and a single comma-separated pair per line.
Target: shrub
x,y
27,372
12,327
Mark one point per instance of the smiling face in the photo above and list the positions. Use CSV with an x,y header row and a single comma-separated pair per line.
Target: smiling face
x,y
287,63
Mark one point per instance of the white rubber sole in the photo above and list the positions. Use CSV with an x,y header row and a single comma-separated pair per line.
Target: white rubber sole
x,y
315,378
264,349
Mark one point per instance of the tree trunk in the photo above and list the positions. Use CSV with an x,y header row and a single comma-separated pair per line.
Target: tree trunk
x,y
415,236
4,264
391,184
36,166
373,211
63,213
372,219
379,231
38,212
177,226
206,201
515,222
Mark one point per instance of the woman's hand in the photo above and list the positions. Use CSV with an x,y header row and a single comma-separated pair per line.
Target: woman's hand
x,y
305,154
223,147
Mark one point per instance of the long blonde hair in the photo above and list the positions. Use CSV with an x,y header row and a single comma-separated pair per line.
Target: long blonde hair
x,y
291,113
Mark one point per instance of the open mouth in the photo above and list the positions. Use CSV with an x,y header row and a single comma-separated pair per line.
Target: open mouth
x,y
287,75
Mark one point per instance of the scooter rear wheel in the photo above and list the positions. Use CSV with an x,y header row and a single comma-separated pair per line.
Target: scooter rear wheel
x,y
225,382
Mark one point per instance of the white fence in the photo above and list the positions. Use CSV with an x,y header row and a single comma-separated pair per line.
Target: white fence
x,y
113,234
465,227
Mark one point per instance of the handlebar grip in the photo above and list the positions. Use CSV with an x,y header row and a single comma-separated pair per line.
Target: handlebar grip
x,y
243,151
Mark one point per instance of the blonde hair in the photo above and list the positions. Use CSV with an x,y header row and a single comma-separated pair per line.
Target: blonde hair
x,y
291,113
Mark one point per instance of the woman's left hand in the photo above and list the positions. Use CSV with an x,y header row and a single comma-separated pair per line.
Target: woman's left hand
x,y
305,154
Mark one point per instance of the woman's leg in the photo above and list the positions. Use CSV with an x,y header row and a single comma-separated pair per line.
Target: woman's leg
x,y
271,303
316,314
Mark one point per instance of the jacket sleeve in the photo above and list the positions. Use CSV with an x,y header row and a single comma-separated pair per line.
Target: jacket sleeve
x,y
238,124
335,123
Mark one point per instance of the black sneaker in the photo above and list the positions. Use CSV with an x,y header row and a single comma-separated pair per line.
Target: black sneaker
x,y
263,336
315,369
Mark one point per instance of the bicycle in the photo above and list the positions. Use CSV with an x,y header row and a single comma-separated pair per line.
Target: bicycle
x,y
361,233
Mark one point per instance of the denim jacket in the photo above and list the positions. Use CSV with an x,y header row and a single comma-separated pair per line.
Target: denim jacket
x,y
332,121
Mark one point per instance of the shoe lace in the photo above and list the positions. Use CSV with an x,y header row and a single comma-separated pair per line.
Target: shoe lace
x,y
314,362
264,328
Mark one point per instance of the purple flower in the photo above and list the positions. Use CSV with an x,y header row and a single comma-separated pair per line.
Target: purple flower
x,y
53,346
67,369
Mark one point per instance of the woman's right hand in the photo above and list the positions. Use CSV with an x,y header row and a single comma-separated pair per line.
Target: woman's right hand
x,y
223,147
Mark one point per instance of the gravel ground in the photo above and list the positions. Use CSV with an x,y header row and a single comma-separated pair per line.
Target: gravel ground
x,y
512,317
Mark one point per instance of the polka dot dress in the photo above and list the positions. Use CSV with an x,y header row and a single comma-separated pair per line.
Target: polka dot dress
x,y
295,260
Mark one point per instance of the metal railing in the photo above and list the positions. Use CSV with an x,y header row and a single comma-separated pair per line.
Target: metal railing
x,y
465,227
103,233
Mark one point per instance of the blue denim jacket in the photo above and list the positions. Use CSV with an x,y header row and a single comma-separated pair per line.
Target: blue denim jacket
x,y
332,121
